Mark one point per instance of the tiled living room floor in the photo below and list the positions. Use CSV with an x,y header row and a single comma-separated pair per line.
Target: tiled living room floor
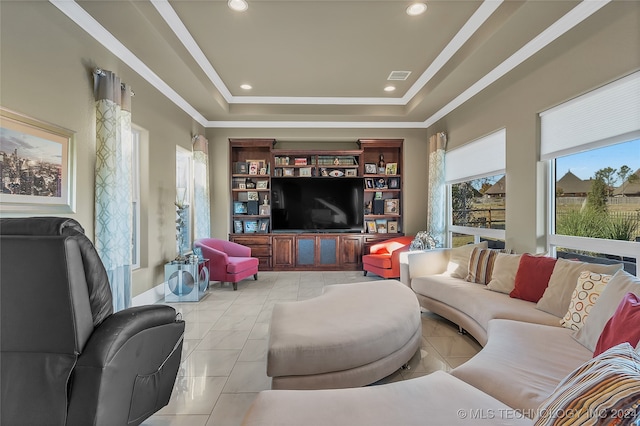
x,y
224,355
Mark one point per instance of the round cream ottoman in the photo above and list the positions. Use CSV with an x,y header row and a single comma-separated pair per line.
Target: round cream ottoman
x,y
352,335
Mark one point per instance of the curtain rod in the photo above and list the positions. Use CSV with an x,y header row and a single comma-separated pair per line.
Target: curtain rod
x,y
100,72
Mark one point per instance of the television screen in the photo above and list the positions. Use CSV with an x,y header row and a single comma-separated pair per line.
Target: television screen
x,y
317,204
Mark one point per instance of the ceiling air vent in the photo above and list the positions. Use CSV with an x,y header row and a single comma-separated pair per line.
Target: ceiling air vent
x,y
399,75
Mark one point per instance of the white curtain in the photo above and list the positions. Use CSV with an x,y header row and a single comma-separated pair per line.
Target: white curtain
x,y
437,202
201,203
113,201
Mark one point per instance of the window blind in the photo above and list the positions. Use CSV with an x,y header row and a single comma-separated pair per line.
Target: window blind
x,y
479,158
605,116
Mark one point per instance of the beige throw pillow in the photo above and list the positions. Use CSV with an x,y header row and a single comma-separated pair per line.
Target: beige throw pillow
x,y
458,266
585,295
619,285
503,278
557,296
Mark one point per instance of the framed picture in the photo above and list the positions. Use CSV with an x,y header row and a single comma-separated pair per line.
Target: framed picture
x,y
368,183
351,172
263,226
391,169
265,209
393,183
381,226
391,206
240,167
263,171
370,168
378,195
239,207
305,171
371,226
381,183
252,196
287,171
392,226
47,151
253,168
237,226
242,186
250,226
262,184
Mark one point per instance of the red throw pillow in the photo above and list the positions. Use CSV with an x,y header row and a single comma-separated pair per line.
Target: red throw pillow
x,y
623,326
532,277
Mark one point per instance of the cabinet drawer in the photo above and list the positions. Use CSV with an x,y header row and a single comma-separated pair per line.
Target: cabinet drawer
x,y
253,240
261,251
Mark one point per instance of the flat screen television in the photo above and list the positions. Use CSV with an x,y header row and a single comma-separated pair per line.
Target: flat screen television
x,y
317,204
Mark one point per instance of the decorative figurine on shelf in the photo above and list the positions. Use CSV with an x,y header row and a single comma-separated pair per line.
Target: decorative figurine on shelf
x,y
336,161
381,165
266,200
367,207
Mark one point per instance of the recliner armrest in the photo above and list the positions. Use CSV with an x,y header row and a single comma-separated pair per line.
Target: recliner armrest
x,y
117,329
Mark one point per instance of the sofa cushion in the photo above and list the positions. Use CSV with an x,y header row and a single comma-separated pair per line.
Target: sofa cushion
x,y
624,325
619,285
557,296
239,264
532,277
458,266
503,278
585,294
605,391
522,363
477,302
378,260
481,263
437,398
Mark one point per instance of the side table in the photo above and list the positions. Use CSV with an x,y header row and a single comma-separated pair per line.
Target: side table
x,y
186,282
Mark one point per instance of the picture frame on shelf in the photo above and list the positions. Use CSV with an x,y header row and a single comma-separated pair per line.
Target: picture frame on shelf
x,y
239,207
392,227
287,171
263,226
250,226
368,183
371,226
391,206
265,209
263,171
242,185
305,171
240,168
393,183
351,172
381,226
252,196
49,186
262,184
381,183
370,168
378,195
255,166
391,169
237,226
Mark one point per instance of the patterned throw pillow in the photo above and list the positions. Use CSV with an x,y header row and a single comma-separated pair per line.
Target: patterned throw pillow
x,y
603,391
481,265
588,289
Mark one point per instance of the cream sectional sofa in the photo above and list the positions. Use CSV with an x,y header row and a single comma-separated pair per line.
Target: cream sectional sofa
x,y
526,353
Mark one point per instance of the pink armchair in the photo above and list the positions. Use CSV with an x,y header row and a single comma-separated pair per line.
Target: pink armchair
x,y
384,258
228,261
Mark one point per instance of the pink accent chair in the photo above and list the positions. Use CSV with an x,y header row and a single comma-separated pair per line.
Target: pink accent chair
x,y
384,257
228,261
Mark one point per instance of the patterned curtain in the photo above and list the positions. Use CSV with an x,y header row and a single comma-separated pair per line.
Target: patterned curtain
x,y
201,204
437,203
113,210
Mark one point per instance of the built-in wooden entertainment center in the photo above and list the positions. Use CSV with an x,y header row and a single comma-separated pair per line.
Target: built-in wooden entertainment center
x,y
314,209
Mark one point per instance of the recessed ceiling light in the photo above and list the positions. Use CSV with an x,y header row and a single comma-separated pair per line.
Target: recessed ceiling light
x,y
238,5
414,9
389,88
246,87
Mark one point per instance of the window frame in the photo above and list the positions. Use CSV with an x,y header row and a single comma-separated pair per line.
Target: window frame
x,y
136,168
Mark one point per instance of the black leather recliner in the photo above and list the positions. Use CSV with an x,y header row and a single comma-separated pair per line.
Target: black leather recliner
x,y
66,358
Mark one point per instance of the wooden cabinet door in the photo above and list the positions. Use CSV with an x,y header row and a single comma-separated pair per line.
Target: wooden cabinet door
x,y
351,251
283,252
327,249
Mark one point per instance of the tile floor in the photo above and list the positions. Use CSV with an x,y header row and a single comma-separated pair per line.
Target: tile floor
x,y
225,347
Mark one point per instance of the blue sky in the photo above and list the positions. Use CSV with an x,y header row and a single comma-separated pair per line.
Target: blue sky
x,y
585,164
31,147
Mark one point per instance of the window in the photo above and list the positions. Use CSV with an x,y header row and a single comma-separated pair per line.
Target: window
x,y
135,197
477,190
184,177
592,145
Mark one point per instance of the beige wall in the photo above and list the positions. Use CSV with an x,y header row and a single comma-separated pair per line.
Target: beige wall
x,y
45,73
415,149
595,53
